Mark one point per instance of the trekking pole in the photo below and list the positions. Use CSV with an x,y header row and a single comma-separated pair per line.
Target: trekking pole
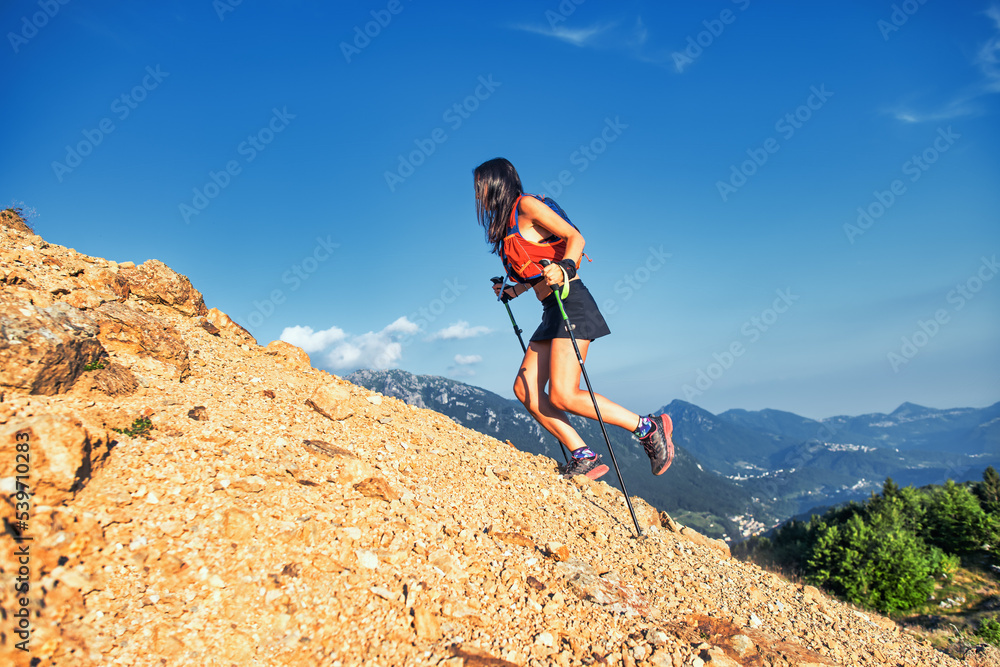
x,y
517,330
597,410
506,303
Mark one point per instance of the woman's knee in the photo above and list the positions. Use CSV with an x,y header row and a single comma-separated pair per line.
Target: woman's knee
x,y
562,400
528,399
520,391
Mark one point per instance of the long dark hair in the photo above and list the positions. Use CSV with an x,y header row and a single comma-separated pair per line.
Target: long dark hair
x,y
497,188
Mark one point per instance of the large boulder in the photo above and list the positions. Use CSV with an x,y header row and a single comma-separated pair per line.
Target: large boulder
x,y
61,456
44,350
104,280
296,356
156,282
128,330
229,327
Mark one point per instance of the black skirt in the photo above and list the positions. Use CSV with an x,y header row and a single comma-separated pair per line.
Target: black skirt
x,y
582,311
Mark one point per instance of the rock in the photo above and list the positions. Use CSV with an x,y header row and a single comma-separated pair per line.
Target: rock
x,y
811,593
113,380
662,658
743,645
44,351
545,639
331,401
87,299
557,551
425,623
251,484
588,586
366,559
514,538
103,280
656,637
377,488
648,515
229,327
353,470
155,282
718,545
666,521
291,353
18,277
716,657
209,327
199,413
61,455
325,449
128,330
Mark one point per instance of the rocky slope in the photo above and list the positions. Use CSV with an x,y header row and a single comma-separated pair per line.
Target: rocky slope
x,y
197,499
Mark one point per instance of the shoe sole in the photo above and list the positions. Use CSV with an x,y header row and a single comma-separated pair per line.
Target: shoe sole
x,y
668,430
597,472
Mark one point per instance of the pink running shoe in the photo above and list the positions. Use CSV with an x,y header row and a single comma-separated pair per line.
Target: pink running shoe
x,y
658,444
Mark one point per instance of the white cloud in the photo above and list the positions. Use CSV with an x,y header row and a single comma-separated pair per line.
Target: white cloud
x,y
575,36
987,59
466,359
403,326
312,341
459,330
375,349
632,38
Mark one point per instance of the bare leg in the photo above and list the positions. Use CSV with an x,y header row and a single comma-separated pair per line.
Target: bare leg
x,y
529,387
565,390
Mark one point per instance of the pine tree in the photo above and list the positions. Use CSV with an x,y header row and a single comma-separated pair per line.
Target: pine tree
x,y
955,521
988,491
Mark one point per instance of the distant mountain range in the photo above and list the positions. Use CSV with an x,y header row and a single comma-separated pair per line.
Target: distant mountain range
x,y
740,471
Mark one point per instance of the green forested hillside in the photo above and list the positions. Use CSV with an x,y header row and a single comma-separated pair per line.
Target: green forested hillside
x,y
904,551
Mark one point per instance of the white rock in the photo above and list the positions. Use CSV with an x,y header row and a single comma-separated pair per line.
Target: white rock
x,y
366,559
545,639
383,593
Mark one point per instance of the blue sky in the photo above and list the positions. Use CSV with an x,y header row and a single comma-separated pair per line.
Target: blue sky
x,y
787,205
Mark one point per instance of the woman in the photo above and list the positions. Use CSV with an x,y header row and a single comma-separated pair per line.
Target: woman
x,y
524,230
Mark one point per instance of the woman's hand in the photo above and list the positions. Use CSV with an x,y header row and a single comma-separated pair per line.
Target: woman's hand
x,y
510,292
553,275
